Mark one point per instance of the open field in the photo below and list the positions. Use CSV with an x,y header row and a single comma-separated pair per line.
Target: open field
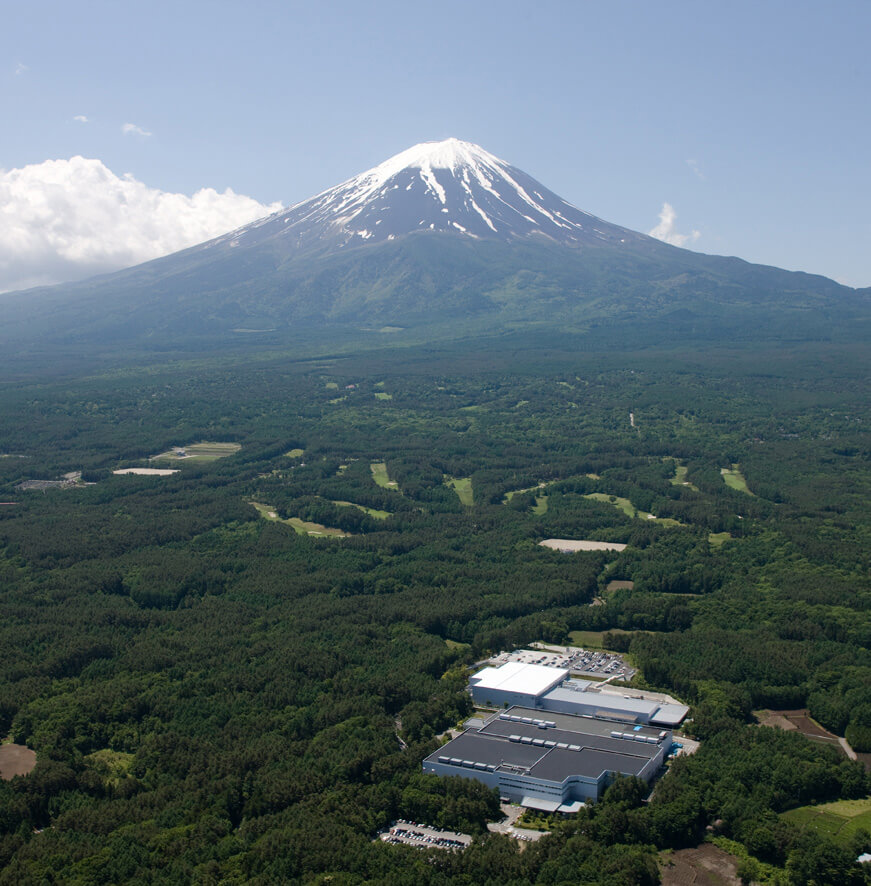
x,y
203,451
572,546
706,865
734,479
15,759
838,820
295,453
463,487
680,476
301,527
719,538
383,395
379,475
148,472
618,585
372,512
629,509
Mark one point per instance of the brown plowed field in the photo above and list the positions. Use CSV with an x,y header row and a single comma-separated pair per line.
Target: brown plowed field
x,y
706,865
15,759
798,720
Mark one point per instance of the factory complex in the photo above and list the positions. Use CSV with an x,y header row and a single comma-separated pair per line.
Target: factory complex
x,y
555,764
551,689
557,742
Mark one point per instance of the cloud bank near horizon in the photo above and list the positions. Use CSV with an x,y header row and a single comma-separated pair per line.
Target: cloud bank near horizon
x,y
64,220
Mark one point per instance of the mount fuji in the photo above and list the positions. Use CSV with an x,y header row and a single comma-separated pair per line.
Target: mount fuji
x,y
443,239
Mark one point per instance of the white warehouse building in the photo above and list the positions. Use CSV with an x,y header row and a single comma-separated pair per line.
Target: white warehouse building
x,y
551,689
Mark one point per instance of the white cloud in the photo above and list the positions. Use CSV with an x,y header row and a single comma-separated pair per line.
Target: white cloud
x,y
81,118
133,129
68,219
20,69
665,230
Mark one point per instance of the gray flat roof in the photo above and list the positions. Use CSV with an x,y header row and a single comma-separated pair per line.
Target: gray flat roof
x,y
571,746
604,701
576,722
559,764
598,740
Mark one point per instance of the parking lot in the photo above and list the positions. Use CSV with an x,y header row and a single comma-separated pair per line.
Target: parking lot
x,y
583,662
410,833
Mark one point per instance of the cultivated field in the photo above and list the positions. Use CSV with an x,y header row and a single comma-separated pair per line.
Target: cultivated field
x,y
838,820
706,865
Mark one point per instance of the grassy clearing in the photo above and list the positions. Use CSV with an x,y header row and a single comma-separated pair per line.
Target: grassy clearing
x,y
838,820
379,475
372,512
718,538
301,527
202,451
332,386
629,509
383,395
734,479
295,453
112,766
463,487
454,644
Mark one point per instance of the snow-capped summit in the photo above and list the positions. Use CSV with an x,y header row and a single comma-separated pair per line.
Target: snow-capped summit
x,y
449,186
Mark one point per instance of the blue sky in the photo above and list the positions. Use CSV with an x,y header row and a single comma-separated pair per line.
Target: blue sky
x,y
749,119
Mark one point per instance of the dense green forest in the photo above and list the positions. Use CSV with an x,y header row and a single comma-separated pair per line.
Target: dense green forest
x,y
215,697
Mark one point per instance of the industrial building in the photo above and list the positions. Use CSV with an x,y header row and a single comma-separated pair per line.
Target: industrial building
x,y
548,689
554,764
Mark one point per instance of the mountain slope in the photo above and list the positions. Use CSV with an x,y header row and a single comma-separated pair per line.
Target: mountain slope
x,y
441,236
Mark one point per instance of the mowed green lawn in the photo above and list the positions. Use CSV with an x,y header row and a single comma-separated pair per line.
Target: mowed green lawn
x,y
372,512
629,509
838,820
463,487
379,475
734,479
300,527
